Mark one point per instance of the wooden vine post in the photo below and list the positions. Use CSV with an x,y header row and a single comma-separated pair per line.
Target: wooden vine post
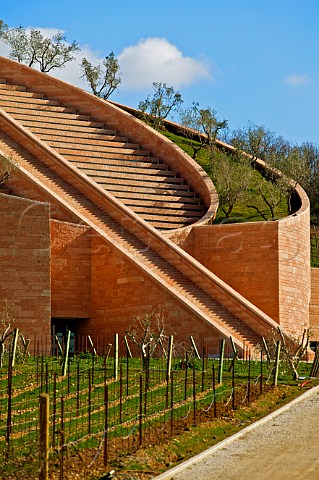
x,y
116,355
169,357
194,347
277,363
14,345
221,361
44,437
66,354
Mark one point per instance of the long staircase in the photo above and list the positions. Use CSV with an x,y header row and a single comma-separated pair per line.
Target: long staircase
x,y
79,161
144,183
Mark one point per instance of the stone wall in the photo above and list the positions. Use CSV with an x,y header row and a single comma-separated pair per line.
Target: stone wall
x,y
121,291
70,270
314,305
25,263
294,272
266,262
245,256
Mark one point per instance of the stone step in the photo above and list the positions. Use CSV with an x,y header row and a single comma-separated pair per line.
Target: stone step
x,y
13,88
139,184
167,225
27,102
111,175
120,163
53,117
82,139
75,128
108,157
13,107
98,134
101,170
139,204
167,212
97,146
19,94
168,219
152,192
101,152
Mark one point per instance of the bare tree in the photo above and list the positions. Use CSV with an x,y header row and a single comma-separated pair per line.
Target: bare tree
x,y
147,332
292,351
6,322
104,78
35,50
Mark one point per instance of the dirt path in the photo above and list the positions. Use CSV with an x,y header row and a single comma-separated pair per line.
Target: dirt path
x,y
282,446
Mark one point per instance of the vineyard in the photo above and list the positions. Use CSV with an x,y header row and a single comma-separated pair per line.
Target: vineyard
x,y
102,407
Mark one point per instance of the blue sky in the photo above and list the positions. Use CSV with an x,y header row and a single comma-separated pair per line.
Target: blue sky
x,y
249,60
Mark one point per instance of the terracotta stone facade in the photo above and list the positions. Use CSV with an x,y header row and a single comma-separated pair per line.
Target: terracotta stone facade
x,y
25,263
71,252
314,305
237,253
70,270
266,262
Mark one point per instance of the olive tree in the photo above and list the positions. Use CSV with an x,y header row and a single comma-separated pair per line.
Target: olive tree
x,y
232,177
104,78
35,50
282,164
200,126
156,108
259,142
308,152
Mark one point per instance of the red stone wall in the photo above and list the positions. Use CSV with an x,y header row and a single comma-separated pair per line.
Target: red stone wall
x,y
266,262
294,271
314,305
25,263
121,291
245,256
70,270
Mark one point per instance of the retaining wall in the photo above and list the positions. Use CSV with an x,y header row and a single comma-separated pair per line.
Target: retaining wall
x,y
314,305
266,262
70,270
25,263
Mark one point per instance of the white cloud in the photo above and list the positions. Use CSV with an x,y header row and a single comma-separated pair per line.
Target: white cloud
x,y
298,80
158,60
150,60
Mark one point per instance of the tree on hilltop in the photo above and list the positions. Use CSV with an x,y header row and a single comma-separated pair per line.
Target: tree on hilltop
x,y
35,50
104,78
155,109
200,126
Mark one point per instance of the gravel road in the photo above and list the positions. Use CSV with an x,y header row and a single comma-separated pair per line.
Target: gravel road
x,y
282,446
